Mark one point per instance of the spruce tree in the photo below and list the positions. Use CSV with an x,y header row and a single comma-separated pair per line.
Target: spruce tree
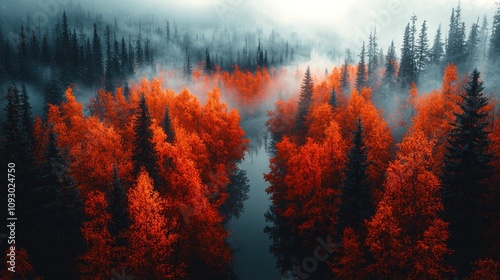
x,y
208,62
407,69
390,67
117,206
422,51
356,203
167,126
58,238
333,99
437,50
372,58
22,51
467,167
11,147
472,44
144,153
344,78
361,78
97,65
53,90
494,51
305,101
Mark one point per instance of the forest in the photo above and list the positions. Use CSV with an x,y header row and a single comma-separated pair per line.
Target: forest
x,y
127,136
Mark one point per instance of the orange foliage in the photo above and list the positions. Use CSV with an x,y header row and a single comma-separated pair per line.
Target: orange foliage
x,y
149,237
435,113
309,185
318,121
282,118
407,219
378,136
97,261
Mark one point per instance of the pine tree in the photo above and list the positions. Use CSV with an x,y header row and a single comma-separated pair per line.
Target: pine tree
x,y
333,99
407,69
26,118
455,48
53,89
97,65
144,154
58,237
34,49
188,67
355,198
305,101
208,62
471,47
467,166
167,126
46,57
372,58
494,51
124,63
22,51
11,129
344,78
109,74
117,207
361,78
437,50
422,51
390,67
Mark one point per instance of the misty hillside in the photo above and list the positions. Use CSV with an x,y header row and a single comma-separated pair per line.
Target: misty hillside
x,y
250,140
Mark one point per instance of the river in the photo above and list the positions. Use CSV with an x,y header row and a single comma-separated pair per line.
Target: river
x,y
253,259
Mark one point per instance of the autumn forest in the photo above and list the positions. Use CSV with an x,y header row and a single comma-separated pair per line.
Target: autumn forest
x,y
128,138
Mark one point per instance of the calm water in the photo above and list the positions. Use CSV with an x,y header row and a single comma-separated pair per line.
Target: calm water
x,y
253,260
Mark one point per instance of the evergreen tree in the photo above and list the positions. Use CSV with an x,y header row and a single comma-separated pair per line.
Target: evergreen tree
x,y
422,51
407,69
46,57
58,236
356,203
144,153
117,206
108,78
305,101
139,57
34,49
494,51
333,99
11,128
467,166
53,90
25,114
361,78
208,62
124,59
437,50
167,126
97,66
344,78
372,58
390,67
188,67
455,47
22,52
471,50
